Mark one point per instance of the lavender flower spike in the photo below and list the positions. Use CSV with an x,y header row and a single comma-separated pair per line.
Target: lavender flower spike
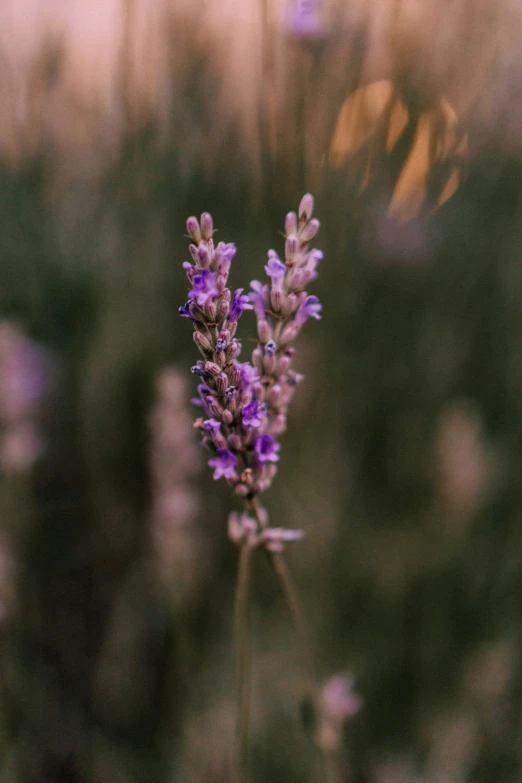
x,y
244,405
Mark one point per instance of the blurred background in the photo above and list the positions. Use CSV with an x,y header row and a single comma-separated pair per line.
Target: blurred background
x,y
403,457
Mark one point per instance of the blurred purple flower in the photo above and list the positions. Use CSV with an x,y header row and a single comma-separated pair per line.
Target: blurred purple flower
x,y
311,308
305,19
224,464
266,449
254,414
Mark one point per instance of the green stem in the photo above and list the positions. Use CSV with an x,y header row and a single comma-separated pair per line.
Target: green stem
x,y
241,631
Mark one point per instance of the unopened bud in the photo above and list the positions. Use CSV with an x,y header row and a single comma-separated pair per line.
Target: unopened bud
x,y
227,417
284,363
264,331
214,407
290,305
276,299
211,312
291,223
290,332
257,358
203,258
309,231
234,374
233,350
234,441
306,207
202,341
291,247
242,490
222,309
212,368
193,229
269,364
221,384
207,226
274,395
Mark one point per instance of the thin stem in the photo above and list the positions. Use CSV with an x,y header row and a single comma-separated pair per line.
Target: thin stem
x,y
297,612
241,631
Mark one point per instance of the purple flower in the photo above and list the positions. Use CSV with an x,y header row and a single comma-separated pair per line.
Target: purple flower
x,y
185,312
305,20
249,375
266,449
205,288
311,308
239,303
254,414
257,297
228,251
224,464
275,268
212,425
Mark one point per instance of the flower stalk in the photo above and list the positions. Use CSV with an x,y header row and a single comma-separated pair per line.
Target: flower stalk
x,y
244,405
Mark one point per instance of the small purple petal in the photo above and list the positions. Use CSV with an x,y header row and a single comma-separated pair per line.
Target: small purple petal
x,y
212,425
310,308
266,449
239,303
224,464
254,414
205,289
185,312
275,269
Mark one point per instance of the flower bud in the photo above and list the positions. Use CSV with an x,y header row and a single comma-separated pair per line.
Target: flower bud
x,y
291,223
212,368
203,257
275,395
257,359
221,384
264,331
290,332
202,341
284,363
309,231
232,351
269,363
207,226
223,308
242,490
210,312
234,374
291,248
214,407
234,441
193,229
276,299
290,305
306,207
227,417
193,249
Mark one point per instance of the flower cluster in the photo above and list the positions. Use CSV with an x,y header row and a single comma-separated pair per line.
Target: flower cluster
x,y
245,403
